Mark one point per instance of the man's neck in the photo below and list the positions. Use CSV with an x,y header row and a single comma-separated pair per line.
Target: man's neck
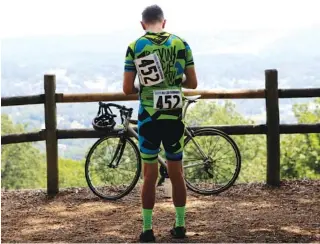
x,y
154,28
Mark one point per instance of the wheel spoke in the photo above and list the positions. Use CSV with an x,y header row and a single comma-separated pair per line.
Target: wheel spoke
x,y
191,159
192,165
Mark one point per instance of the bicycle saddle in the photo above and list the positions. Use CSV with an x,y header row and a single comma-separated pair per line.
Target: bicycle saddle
x,y
192,98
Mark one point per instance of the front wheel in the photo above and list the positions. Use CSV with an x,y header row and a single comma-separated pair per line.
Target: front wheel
x,y
211,161
113,167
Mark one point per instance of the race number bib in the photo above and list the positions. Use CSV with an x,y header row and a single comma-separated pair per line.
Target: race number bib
x,y
167,99
149,70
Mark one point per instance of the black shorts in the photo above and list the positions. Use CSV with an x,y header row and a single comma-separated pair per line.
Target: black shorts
x,y
168,131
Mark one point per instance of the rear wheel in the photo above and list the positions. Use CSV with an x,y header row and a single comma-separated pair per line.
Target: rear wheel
x,y
113,167
211,161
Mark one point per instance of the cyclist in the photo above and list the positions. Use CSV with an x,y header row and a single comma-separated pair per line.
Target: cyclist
x,y
164,64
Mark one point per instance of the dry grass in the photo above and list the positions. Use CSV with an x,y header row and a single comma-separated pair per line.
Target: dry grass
x,y
245,213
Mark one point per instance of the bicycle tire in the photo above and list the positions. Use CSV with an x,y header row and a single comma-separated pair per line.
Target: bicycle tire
x,y
128,189
214,132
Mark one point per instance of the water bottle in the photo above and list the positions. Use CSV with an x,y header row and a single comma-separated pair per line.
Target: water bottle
x,y
167,188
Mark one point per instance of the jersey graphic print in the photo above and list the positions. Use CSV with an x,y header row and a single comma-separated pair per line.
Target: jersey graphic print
x,y
159,60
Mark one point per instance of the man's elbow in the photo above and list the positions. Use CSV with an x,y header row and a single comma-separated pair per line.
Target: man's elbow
x,y
126,91
194,85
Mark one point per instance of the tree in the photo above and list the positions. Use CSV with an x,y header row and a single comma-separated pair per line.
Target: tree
x,y
22,165
71,173
300,154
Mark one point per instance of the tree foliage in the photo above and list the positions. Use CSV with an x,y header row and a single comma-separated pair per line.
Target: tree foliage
x,y
22,165
300,153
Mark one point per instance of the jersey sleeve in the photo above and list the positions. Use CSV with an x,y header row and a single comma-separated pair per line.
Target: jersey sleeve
x,y
129,64
189,56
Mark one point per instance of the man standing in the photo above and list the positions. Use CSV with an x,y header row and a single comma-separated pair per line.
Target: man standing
x,y
161,60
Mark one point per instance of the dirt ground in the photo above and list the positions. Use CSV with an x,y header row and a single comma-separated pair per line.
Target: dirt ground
x,y
245,213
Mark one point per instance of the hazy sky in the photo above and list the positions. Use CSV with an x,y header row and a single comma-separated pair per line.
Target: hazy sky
x,y
51,17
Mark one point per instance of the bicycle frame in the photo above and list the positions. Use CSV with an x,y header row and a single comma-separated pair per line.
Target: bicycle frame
x,y
193,157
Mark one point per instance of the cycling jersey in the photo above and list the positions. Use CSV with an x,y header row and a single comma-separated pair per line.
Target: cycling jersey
x,y
167,57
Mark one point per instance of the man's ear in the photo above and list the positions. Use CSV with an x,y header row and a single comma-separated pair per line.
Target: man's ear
x,y
164,23
143,25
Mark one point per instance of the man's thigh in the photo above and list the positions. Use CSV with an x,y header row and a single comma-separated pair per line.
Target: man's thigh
x,y
173,139
149,141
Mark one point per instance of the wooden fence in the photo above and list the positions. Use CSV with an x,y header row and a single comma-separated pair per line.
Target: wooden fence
x,y
272,128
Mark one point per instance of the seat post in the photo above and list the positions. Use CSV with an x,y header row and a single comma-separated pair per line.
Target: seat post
x,y
189,101
184,110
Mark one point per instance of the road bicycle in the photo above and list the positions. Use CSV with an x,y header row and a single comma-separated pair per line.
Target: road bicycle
x,y
211,159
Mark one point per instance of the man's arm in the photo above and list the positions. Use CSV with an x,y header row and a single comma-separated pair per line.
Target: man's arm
x,y
129,72
128,83
190,80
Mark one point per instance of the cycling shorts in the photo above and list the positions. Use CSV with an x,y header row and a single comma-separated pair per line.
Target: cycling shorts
x,y
156,127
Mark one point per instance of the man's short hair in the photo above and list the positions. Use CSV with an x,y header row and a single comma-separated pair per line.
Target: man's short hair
x,y
152,14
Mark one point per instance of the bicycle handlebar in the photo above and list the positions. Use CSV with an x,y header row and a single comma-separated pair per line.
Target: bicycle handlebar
x,y
105,105
124,111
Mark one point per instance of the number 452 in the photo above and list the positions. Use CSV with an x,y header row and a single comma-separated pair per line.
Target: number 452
x,y
168,101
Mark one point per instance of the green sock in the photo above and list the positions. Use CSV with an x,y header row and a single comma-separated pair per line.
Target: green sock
x,y
147,219
180,214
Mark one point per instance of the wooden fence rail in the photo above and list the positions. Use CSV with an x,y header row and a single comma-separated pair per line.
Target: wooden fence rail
x,y
229,129
211,94
272,129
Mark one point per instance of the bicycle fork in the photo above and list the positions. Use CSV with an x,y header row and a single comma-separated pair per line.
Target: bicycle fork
x,y
118,154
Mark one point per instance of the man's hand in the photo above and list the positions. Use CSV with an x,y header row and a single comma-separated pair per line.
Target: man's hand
x,y
137,88
184,78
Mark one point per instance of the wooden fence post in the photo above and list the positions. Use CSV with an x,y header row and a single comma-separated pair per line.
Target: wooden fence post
x,y
273,132
51,134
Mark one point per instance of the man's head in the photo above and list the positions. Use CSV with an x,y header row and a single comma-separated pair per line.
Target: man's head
x,y
152,16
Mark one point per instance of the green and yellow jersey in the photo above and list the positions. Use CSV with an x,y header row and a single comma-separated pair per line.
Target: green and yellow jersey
x,y
159,59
